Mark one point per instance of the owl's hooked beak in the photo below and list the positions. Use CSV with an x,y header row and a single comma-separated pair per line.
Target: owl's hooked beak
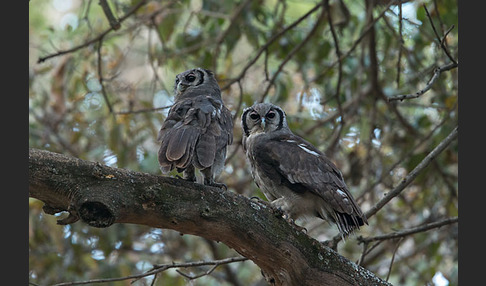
x,y
181,87
263,123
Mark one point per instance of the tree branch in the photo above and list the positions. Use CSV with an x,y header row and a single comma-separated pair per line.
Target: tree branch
x,y
439,40
157,268
95,39
100,76
407,232
413,174
366,30
437,72
269,42
101,196
115,25
293,52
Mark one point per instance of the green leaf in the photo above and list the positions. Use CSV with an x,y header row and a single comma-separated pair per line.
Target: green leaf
x,y
167,26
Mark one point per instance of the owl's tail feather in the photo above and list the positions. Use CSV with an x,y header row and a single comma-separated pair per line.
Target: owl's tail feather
x,y
177,147
206,150
347,223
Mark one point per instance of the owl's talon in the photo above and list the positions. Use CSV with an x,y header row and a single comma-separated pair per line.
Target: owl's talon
x,y
258,199
298,227
331,243
191,179
279,212
218,185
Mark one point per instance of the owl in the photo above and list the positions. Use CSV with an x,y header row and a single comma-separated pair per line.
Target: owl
x,y
197,130
294,175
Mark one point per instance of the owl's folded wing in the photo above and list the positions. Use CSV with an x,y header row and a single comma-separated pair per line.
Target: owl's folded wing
x,y
191,131
302,167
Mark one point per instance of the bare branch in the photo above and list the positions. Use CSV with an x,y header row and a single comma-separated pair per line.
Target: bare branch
x,y
407,232
400,50
157,268
292,53
406,154
232,21
356,42
335,141
143,110
115,25
440,41
269,42
437,72
100,76
413,174
393,259
95,39
240,102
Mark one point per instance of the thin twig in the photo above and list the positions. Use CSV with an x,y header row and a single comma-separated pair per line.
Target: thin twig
x,y
441,41
240,102
100,76
437,72
356,42
410,231
231,276
157,268
269,42
265,65
292,53
143,110
338,85
192,277
95,39
115,25
400,50
413,174
340,64
393,258
232,21
407,154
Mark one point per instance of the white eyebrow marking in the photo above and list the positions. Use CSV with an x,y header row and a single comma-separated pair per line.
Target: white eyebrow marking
x,y
303,147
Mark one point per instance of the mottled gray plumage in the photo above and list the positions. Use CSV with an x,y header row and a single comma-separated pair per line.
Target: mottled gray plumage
x,y
294,175
198,128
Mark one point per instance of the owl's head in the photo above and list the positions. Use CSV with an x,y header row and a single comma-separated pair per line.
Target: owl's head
x,y
194,79
263,117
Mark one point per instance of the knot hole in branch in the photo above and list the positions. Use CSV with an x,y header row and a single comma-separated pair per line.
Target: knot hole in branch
x,y
96,214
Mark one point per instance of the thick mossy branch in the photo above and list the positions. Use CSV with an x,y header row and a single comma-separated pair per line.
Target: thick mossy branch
x,y
101,195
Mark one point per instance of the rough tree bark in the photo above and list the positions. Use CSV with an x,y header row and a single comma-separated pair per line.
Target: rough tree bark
x,y
101,196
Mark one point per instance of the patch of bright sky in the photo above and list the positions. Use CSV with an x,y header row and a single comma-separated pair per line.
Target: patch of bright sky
x,y
68,19
157,247
162,99
312,101
109,158
409,12
97,254
440,280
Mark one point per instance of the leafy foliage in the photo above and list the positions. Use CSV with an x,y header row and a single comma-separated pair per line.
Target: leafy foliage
x,y
106,100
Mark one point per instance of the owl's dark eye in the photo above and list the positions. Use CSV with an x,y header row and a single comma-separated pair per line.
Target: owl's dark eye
x,y
254,116
190,78
270,115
